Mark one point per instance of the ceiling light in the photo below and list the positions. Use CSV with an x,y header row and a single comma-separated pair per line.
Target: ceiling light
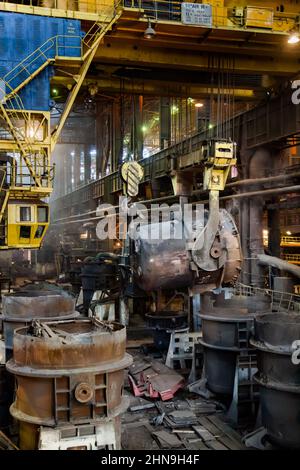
x,y
149,31
199,105
293,38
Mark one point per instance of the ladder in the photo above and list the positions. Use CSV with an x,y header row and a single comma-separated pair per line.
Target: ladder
x,y
36,62
90,44
245,390
16,121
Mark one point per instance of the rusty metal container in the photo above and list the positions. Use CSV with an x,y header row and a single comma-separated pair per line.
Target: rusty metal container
x,y
68,373
227,325
278,377
164,255
225,335
20,308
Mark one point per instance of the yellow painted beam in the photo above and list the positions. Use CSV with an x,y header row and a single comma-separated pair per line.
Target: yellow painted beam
x,y
161,88
171,58
54,12
92,40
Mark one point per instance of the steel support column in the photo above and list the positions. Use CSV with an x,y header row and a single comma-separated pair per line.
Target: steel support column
x,y
87,164
165,122
76,165
259,167
117,135
137,135
274,231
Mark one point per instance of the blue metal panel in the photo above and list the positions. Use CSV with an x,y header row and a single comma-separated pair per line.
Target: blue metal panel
x,y
72,38
5,38
19,37
23,36
5,67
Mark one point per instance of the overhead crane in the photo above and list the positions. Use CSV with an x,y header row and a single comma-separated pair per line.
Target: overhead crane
x,y
27,179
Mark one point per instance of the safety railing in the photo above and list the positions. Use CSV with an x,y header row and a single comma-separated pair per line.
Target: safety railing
x,y
30,66
2,178
35,126
280,301
85,6
18,176
292,258
16,120
12,110
289,240
215,15
60,46
108,15
238,18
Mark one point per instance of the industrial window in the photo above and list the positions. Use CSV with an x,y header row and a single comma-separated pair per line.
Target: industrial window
x,y
42,214
39,231
25,231
25,214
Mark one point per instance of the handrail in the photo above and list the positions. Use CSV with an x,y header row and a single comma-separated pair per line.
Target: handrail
x,y
3,170
289,239
47,53
19,176
291,257
280,301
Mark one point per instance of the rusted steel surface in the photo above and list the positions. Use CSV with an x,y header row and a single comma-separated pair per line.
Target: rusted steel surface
x,y
69,372
73,344
173,263
37,304
278,376
21,307
218,305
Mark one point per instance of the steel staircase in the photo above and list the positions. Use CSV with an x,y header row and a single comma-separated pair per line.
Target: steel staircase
x,y
90,44
11,116
15,120
51,52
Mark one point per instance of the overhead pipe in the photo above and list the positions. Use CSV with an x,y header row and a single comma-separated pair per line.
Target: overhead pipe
x,y
278,263
286,189
268,179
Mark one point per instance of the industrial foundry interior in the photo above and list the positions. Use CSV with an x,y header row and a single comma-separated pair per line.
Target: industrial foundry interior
x,y
149,225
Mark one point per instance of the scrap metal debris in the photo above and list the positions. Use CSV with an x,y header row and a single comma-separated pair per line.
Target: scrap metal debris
x,y
185,422
153,379
167,440
181,419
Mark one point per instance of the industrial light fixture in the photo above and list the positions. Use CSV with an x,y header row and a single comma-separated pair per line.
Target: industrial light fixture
x,y
149,31
293,38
